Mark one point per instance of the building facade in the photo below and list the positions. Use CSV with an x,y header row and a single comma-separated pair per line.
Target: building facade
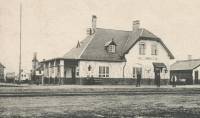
x,y
109,56
2,77
186,71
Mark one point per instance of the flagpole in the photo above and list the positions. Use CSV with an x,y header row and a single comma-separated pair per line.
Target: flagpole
x,y
20,41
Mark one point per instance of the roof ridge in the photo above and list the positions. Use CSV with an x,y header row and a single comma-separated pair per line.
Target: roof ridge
x,y
118,29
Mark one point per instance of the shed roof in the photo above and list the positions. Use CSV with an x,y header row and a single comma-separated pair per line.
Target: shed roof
x,y
185,64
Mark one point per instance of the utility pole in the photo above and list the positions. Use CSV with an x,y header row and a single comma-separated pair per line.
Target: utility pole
x,y
20,41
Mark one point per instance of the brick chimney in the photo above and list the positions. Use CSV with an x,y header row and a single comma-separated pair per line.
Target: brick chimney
x,y
92,30
94,23
136,25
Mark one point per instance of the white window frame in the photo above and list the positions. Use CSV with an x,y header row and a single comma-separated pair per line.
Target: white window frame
x,y
111,48
77,72
104,71
136,70
154,49
142,48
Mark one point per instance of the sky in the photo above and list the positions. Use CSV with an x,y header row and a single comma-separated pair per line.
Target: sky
x,y
53,27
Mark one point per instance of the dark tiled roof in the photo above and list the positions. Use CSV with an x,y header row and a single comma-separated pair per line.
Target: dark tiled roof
x,y
1,65
96,50
75,52
93,47
185,64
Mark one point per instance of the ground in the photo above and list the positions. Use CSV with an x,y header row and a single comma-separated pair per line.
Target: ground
x,y
113,106
103,105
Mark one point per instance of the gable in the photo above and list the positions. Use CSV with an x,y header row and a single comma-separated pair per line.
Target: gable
x,y
161,55
146,35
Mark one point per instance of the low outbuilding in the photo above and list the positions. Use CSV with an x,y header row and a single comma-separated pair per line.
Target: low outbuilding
x,y
186,71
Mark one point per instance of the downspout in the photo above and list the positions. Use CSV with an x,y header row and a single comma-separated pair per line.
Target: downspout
x,y
124,69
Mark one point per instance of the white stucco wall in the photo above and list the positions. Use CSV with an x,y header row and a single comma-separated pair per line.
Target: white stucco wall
x,y
115,68
145,61
133,60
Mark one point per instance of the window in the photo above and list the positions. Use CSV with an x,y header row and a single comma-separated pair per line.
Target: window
x,y
52,70
136,70
142,48
77,71
111,48
154,50
103,71
58,71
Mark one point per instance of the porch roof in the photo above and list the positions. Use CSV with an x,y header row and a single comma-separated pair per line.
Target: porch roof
x,y
68,62
159,65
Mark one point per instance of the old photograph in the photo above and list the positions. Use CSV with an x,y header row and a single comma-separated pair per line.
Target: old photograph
x,y
99,59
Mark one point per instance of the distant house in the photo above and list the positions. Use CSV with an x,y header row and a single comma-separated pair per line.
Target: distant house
x,y
2,67
37,70
186,71
25,75
10,77
110,56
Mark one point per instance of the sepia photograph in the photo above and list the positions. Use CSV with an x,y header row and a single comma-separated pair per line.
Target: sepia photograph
x,y
99,59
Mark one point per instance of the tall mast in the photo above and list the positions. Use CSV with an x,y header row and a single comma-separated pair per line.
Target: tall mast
x,y
20,41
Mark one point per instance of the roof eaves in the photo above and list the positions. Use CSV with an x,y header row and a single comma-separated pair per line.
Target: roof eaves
x,y
196,66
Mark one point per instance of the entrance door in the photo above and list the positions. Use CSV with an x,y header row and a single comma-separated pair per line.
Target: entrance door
x,y
157,77
196,76
73,72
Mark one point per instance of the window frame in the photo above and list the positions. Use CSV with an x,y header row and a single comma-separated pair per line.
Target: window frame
x,y
111,48
135,71
104,71
77,72
154,49
142,48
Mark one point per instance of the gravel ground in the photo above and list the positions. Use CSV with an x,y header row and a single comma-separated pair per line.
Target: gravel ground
x,y
105,106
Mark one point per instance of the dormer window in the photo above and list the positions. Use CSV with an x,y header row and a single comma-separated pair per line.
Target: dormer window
x,y
110,46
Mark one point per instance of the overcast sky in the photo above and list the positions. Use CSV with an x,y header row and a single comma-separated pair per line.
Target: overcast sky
x,y
53,27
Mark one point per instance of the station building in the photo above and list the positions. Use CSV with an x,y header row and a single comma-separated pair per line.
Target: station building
x,y
110,56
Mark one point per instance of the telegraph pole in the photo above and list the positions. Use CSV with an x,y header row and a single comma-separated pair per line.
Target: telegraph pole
x,y
20,41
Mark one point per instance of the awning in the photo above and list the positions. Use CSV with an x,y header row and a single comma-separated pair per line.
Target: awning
x,y
159,65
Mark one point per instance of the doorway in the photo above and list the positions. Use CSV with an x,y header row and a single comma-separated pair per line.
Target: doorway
x,y
157,77
73,72
196,76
